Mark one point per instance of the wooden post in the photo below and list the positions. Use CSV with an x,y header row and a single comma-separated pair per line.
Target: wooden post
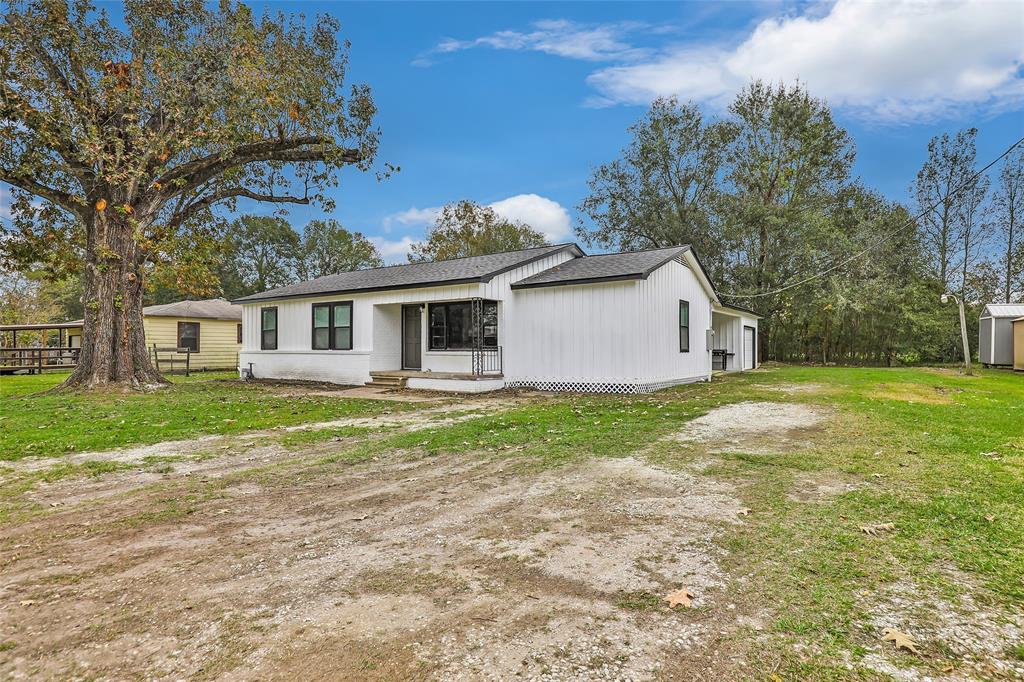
x,y
188,354
156,358
963,337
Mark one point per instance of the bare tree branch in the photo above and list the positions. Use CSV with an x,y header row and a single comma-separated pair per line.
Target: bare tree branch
x,y
62,199
205,202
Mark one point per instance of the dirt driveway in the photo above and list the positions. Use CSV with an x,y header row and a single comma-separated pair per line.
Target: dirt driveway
x,y
267,562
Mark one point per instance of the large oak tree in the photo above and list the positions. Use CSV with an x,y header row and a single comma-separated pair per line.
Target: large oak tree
x,y
119,137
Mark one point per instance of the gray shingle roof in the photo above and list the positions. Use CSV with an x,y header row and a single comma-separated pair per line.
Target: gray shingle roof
x,y
214,309
603,268
457,270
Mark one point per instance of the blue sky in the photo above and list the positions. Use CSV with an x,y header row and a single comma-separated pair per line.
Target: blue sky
x,y
500,101
514,103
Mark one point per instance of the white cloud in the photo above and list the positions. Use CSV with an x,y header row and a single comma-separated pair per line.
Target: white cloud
x,y
411,216
393,251
542,214
886,60
591,42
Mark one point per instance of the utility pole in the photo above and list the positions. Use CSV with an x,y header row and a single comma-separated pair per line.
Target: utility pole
x,y
963,331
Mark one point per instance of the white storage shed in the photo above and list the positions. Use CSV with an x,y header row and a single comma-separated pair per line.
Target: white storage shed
x,y
995,333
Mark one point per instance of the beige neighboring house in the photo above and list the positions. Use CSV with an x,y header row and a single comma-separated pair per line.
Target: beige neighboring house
x,y
211,329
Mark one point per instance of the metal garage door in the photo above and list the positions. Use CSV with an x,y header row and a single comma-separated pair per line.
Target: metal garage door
x,y
748,347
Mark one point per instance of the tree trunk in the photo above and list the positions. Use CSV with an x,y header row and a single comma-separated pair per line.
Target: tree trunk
x,y
113,341
1011,218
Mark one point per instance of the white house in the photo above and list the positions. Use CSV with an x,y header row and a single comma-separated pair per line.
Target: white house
x,y
551,318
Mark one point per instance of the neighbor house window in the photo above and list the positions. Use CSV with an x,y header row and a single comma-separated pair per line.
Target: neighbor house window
x,y
268,328
188,336
684,327
239,333
332,326
451,325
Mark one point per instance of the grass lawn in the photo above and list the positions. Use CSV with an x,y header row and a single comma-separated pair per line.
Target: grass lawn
x,y
204,403
805,592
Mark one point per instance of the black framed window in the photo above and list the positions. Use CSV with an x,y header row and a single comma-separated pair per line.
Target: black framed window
x,y
332,326
684,326
239,333
451,325
188,336
268,328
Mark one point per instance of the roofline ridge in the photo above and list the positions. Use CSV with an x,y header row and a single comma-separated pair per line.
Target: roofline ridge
x,y
622,253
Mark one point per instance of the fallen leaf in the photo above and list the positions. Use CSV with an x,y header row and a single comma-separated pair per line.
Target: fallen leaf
x,y
990,518
876,475
361,518
101,204
949,668
901,640
683,597
745,511
28,602
878,528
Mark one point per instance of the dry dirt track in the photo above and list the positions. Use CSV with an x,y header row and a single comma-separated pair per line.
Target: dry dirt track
x,y
407,566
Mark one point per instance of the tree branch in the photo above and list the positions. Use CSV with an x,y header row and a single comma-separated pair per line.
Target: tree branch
x,y
229,193
199,170
62,199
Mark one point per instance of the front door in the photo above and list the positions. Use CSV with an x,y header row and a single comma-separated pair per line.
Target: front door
x,y
412,337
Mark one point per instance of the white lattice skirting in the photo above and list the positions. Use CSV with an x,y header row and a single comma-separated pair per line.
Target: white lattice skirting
x,y
581,386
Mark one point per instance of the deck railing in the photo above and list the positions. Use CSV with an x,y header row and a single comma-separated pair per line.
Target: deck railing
x,y
37,358
487,360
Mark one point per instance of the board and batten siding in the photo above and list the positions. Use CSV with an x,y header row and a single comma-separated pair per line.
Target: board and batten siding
x,y
376,330
608,335
576,333
657,329
218,341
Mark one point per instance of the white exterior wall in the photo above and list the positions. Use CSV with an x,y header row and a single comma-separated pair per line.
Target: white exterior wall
x,y
621,335
376,331
658,326
608,336
574,333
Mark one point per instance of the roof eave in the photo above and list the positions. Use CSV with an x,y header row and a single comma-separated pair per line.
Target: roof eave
x,y
584,280
352,292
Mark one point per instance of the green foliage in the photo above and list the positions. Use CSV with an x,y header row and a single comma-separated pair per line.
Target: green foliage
x,y
766,196
264,252
132,134
465,228
261,253
328,248
665,189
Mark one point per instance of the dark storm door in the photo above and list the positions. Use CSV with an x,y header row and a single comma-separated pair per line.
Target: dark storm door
x,y
412,337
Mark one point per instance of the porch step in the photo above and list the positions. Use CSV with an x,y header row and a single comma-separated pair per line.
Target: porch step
x,y
387,382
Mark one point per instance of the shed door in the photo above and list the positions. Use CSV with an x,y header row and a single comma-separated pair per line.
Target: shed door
x,y
749,349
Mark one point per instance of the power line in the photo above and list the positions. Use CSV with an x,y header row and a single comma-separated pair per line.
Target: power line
x,y
910,223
